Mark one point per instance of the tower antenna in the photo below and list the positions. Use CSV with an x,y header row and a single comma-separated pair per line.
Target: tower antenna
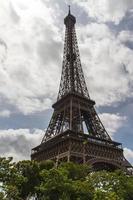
x,y
69,9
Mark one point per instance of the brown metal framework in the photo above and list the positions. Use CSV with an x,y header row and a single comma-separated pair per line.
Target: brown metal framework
x,y
75,132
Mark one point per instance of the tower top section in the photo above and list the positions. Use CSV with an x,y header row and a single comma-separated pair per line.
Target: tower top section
x,y
69,19
72,78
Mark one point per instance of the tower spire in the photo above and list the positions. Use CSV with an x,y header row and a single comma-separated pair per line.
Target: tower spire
x,y
72,79
69,9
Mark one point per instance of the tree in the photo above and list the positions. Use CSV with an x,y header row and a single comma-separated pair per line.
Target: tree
x,y
83,190
10,179
129,188
101,195
2,196
55,184
105,182
68,181
76,171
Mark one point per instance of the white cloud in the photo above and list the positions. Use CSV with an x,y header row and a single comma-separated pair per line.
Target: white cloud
x,y
28,75
112,122
129,154
18,143
107,63
106,10
5,113
125,36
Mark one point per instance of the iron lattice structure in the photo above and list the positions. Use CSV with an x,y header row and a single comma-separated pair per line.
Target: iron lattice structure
x,y
75,132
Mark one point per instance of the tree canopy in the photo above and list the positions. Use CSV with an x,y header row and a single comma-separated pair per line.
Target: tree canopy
x,y
27,180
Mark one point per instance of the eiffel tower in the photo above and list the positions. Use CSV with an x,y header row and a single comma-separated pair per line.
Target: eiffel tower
x,y
75,132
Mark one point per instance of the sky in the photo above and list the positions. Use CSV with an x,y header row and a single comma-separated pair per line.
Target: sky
x,y
31,51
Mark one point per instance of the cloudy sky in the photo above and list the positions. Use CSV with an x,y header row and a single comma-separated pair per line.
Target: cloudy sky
x,y
31,49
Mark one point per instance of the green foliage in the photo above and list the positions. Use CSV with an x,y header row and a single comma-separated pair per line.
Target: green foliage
x,y
43,181
48,164
55,184
2,196
129,188
83,190
6,169
101,195
109,182
75,171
